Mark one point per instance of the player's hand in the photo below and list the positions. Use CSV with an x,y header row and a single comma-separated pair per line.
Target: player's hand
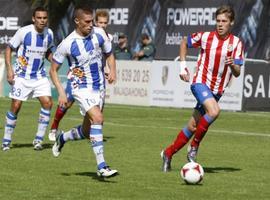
x,y
229,61
111,77
62,100
10,77
185,75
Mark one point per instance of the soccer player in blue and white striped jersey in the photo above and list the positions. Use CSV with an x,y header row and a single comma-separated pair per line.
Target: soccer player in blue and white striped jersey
x,y
101,20
84,49
32,43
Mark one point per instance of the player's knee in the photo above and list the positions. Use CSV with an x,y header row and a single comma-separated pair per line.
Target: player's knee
x,y
191,128
47,104
214,113
98,119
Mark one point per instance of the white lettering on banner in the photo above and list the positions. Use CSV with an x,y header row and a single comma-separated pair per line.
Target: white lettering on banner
x,y
248,86
9,23
191,16
259,89
5,39
174,39
119,16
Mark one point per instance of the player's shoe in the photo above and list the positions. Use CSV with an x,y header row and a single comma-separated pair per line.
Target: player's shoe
x,y
52,135
166,162
192,153
106,172
37,144
58,145
5,146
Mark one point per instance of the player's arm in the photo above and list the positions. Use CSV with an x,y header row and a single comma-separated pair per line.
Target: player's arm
x,y
62,98
184,73
236,69
112,65
235,62
10,72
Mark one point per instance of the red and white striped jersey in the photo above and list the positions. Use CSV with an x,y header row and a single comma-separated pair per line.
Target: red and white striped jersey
x,y
211,69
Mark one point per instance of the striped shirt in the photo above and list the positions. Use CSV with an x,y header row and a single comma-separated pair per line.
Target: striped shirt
x,y
211,69
31,49
84,56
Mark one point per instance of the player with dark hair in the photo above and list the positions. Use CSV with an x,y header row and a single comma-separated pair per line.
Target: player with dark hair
x,y
220,57
84,48
101,20
32,43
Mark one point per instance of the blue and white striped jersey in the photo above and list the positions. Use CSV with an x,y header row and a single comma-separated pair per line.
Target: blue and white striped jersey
x,y
31,49
84,56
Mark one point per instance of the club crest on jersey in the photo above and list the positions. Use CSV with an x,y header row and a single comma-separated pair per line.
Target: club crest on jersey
x,y
205,93
78,72
196,36
22,61
230,48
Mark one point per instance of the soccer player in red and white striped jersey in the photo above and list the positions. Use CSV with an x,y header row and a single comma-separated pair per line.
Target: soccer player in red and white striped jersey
x,y
220,58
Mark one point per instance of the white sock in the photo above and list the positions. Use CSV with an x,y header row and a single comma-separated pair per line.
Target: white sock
x,y
43,122
11,119
74,134
96,139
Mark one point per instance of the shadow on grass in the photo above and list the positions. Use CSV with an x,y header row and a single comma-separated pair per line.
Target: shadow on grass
x,y
220,169
45,145
106,138
93,175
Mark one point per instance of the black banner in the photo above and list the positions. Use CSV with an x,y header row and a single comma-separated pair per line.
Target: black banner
x,y
14,14
166,21
256,90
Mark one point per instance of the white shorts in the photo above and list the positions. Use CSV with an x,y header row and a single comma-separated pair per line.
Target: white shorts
x,y
88,98
25,88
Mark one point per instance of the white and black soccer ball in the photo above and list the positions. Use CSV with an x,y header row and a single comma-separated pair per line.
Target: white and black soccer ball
x,y
192,173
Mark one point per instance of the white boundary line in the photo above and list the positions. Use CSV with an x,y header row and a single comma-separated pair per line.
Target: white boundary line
x,y
177,128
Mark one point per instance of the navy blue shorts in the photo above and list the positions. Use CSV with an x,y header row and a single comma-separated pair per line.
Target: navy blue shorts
x,y
202,92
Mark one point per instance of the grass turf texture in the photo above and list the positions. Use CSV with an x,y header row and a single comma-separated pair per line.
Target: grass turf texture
x,y
235,156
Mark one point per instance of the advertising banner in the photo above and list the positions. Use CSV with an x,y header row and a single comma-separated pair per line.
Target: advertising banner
x,y
166,21
256,91
132,85
166,88
13,15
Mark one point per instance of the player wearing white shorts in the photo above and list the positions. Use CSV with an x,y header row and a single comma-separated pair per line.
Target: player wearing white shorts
x,y
84,48
101,20
32,43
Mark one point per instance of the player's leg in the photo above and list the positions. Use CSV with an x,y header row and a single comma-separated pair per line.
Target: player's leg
x,y
60,112
42,91
96,139
43,121
210,111
11,119
181,140
19,93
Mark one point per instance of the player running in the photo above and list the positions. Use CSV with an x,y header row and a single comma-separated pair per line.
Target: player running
x,y
32,43
84,48
101,20
220,57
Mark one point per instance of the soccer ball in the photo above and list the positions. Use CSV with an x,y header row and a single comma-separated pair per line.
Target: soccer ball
x,y
192,173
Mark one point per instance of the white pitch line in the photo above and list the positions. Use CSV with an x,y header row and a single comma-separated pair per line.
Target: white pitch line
x,y
177,128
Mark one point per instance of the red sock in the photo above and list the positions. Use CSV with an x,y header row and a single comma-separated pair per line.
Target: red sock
x,y
59,114
200,132
178,143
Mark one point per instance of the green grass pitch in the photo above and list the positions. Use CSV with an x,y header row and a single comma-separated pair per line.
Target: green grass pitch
x,y
235,155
